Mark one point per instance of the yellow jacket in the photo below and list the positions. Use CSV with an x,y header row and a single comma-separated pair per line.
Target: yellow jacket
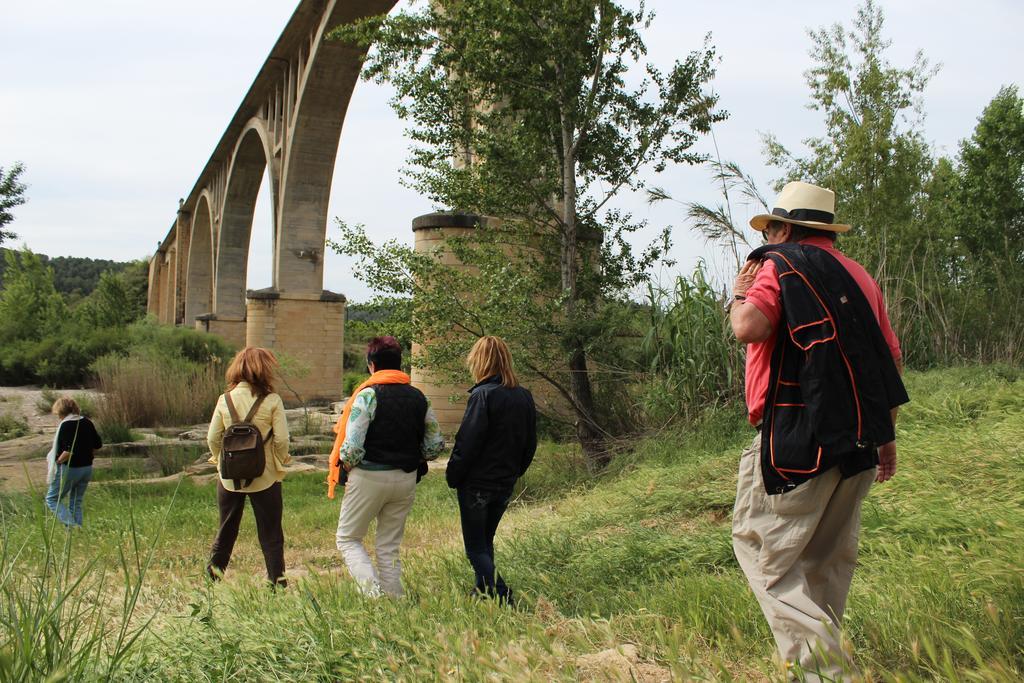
x,y
270,415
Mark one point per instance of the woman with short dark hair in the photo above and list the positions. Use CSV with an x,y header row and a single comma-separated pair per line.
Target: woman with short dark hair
x,y
384,435
250,398
493,448
73,446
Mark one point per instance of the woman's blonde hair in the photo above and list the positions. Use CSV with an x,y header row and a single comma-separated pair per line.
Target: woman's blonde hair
x,y
255,366
64,406
490,356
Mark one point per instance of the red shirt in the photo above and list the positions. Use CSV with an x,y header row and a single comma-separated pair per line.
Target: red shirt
x,y
765,294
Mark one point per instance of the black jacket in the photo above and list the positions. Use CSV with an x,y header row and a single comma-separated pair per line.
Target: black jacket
x,y
497,439
80,438
832,382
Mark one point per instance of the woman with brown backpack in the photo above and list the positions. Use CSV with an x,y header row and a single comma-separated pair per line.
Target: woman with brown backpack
x,y
248,439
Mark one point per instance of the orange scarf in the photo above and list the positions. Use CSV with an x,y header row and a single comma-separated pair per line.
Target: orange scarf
x,y
379,377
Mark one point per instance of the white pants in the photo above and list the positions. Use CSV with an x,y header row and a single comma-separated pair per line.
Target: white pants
x,y
798,551
386,496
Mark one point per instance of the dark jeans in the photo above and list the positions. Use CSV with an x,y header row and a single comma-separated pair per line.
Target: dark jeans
x,y
481,512
267,507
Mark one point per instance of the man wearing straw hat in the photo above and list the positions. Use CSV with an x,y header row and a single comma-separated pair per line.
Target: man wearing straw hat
x,y
822,388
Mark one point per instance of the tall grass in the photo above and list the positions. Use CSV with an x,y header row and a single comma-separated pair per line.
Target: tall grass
x,y
692,358
642,555
942,319
64,620
152,389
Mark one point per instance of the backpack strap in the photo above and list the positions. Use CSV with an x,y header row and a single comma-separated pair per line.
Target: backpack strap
x,y
252,411
231,407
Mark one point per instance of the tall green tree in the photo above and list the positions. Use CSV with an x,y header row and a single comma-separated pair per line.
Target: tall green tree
x,y
991,196
112,304
30,306
873,153
524,111
12,194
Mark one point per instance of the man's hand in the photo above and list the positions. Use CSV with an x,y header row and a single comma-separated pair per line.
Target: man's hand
x,y
886,462
63,457
745,278
749,324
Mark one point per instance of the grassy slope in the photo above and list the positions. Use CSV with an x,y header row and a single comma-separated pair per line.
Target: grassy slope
x,y
642,556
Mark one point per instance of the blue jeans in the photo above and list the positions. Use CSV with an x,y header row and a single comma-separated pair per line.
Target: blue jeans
x,y
480,513
70,482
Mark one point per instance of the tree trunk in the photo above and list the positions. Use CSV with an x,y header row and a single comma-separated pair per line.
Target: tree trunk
x,y
588,431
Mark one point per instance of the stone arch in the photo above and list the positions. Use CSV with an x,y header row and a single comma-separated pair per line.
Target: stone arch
x,y
199,273
251,158
309,164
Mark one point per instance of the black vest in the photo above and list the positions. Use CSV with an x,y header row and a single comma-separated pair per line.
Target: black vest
x,y
833,381
395,436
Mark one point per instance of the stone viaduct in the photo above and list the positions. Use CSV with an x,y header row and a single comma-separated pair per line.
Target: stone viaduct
x,y
288,124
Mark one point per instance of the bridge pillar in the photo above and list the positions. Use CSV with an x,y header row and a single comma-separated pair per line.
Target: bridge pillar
x,y
155,287
431,232
231,331
307,333
168,288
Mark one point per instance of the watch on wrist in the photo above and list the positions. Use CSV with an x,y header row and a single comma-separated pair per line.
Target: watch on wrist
x,y
733,299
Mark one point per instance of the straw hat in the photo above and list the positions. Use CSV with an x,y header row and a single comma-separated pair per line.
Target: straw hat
x,y
802,204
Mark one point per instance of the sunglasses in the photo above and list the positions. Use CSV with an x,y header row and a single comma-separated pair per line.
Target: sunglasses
x,y
771,226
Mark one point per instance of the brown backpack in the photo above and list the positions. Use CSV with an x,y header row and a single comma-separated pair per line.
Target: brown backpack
x,y
242,457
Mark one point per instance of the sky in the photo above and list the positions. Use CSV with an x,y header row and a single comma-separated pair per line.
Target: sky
x,y
114,106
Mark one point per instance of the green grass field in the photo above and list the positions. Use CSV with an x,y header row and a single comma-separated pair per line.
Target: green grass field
x,y
640,556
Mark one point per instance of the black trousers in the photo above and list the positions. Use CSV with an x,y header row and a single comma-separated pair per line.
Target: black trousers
x,y
480,513
267,507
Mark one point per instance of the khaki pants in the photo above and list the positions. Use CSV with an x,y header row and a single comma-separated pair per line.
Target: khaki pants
x,y
386,496
798,551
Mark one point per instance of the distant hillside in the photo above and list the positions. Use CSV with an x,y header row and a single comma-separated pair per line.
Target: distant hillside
x,y
74,274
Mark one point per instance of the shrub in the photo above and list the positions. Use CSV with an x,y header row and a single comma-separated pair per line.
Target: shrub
x,y
174,460
12,427
64,360
59,359
353,380
312,423
86,403
63,356
47,397
115,432
178,342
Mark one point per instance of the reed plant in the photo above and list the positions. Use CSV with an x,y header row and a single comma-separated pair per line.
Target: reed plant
x,y
692,360
148,389
943,322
